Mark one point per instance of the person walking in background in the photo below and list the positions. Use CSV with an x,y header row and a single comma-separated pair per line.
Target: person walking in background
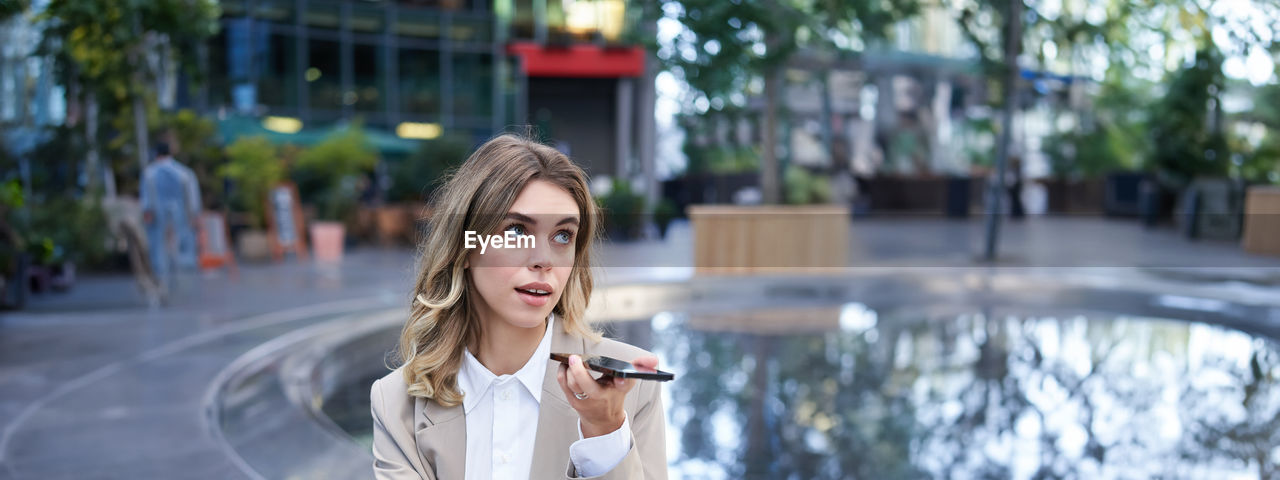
x,y
168,205
1013,185
187,231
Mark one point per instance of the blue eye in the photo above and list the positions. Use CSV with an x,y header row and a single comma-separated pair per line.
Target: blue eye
x,y
517,228
563,237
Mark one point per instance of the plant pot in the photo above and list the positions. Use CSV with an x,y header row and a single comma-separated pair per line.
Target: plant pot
x,y
394,224
1262,221
957,205
326,240
254,246
1211,208
663,225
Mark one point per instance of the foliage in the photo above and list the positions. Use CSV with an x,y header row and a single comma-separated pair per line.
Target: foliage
x,y
11,195
415,178
1113,136
728,45
116,53
10,8
65,229
622,210
804,187
56,162
1260,163
664,212
254,168
10,242
728,51
1186,123
720,159
330,174
196,144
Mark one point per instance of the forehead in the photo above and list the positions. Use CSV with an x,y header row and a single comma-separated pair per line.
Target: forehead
x,y
545,198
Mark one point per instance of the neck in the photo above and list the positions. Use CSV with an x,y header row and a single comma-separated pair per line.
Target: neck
x,y
504,348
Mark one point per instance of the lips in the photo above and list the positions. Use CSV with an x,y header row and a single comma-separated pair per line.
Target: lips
x,y
534,294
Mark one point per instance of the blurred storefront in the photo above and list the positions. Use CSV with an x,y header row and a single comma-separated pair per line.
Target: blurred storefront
x,y
420,69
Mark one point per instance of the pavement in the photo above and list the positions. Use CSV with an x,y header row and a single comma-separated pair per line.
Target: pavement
x,y
96,384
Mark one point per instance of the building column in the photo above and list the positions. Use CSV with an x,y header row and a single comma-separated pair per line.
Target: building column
x,y
623,126
646,125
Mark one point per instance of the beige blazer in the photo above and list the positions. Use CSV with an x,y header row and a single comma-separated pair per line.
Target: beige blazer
x,y
416,438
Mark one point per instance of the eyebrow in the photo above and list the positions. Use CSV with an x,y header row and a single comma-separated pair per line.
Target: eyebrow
x,y
527,219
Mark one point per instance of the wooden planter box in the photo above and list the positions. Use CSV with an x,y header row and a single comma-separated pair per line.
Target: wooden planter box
x,y
398,224
729,239
1075,197
1262,221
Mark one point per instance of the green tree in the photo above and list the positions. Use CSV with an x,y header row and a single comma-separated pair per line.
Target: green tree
x,y
11,8
1261,162
255,169
120,52
330,174
1186,126
726,47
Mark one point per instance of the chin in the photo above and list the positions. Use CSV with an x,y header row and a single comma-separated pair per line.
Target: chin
x,y
525,317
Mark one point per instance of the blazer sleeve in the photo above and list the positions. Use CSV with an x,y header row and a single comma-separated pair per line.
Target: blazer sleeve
x,y
647,459
392,445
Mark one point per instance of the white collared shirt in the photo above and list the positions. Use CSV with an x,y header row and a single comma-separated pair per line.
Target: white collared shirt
x,y
502,421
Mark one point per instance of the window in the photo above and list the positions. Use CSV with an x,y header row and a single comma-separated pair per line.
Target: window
x,y
368,76
419,78
278,76
324,74
472,85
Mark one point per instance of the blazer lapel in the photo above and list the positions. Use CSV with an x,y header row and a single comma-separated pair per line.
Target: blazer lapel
x,y
557,421
441,433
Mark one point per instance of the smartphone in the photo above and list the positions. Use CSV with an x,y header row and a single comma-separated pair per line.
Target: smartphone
x,y
615,367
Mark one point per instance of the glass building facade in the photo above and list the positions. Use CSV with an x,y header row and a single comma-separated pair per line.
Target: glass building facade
x,y
463,67
386,62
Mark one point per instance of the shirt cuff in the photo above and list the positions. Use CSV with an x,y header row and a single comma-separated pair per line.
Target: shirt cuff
x,y
595,456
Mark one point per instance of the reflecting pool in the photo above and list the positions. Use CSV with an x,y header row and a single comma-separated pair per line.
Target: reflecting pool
x,y
841,390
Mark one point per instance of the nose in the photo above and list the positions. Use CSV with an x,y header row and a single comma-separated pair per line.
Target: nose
x,y
539,256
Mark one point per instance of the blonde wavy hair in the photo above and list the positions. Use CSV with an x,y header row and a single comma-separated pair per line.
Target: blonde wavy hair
x,y
442,315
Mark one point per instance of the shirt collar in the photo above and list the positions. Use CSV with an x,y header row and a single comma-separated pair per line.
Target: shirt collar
x,y
474,379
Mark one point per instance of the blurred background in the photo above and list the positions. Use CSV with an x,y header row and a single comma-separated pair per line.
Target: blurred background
x,y
908,239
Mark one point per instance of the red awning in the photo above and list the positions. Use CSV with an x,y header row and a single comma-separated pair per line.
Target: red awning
x,y
590,61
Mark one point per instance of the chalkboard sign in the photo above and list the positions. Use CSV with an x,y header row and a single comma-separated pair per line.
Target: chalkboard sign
x,y
215,243
284,221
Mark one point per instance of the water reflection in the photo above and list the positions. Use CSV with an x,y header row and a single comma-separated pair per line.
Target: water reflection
x,y
842,391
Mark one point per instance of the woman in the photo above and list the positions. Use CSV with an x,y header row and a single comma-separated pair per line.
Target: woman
x,y
477,395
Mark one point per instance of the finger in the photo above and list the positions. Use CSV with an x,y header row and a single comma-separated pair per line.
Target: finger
x,y
623,385
579,377
646,362
570,381
563,380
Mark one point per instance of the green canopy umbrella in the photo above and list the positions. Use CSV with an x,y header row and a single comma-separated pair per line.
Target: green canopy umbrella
x,y
387,143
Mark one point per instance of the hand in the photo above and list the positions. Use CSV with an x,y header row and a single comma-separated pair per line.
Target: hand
x,y
601,411
148,217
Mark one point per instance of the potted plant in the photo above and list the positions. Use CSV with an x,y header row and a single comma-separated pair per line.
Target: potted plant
x,y
622,208
331,175
413,180
13,257
663,213
254,169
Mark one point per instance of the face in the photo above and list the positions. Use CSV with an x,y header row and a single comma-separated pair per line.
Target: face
x,y
520,286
